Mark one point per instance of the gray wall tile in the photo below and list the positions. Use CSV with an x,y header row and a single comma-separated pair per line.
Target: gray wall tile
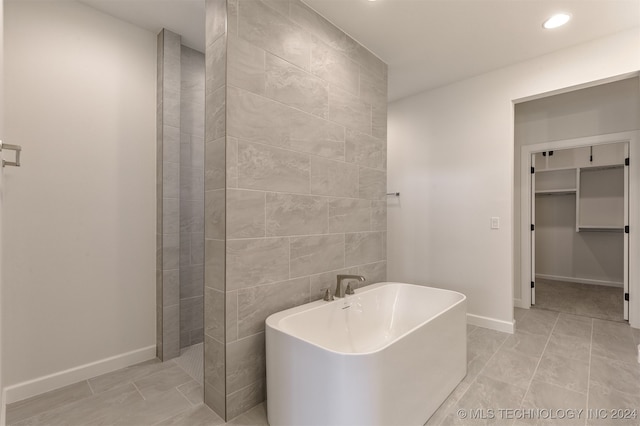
x,y
232,163
349,110
170,331
232,17
258,119
214,324
171,180
170,287
246,362
349,215
197,249
334,67
246,214
214,369
191,183
191,314
269,168
216,63
215,122
292,86
255,304
215,214
214,168
372,184
373,273
373,89
171,215
214,183
315,254
365,150
379,215
266,28
192,215
170,251
333,178
256,261
171,144
379,122
191,281
288,214
362,248
240,401
369,61
311,21
214,264
246,65
216,19
231,310
280,6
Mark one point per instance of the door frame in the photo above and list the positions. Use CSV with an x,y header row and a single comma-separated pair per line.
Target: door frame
x,y
633,139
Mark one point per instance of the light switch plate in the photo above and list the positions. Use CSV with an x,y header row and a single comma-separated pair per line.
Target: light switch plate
x,y
495,222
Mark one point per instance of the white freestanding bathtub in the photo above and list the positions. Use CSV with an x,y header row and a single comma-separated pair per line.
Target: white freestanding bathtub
x,y
388,355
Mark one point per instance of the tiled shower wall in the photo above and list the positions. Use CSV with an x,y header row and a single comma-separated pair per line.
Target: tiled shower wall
x,y
214,183
191,196
168,197
305,138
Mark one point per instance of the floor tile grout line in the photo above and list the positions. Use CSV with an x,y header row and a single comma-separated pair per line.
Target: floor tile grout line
x,y
90,388
138,390
555,323
589,372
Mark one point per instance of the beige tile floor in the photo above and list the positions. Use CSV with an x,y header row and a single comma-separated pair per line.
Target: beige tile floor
x,y
593,301
553,361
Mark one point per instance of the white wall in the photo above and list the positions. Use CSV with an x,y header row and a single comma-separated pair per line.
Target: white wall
x,y
79,215
450,154
561,252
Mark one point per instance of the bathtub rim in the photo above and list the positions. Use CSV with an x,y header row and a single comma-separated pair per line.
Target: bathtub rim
x,y
272,321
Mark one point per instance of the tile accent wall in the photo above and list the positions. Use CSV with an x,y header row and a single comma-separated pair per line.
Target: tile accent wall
x,y
306,174
295,178
168,196
191,196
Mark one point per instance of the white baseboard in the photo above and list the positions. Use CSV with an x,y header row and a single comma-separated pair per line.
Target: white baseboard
x,y
491,323
518,303
34,387
580,280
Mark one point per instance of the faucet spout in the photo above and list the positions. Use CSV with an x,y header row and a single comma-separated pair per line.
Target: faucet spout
x,y
339,289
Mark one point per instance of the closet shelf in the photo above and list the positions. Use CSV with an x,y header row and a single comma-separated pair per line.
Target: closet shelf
x,y
600,228
561,191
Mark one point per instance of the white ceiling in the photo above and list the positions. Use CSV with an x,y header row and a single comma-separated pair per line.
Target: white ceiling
x,y
427,43
184,17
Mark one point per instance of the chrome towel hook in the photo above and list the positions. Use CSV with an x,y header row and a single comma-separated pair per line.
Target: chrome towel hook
x,y
16,148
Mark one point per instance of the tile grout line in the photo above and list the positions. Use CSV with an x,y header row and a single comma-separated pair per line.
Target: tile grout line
x,y
138,390
540,359
90,388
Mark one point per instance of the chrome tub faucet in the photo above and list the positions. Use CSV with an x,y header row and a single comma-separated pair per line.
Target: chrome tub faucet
x,y
340,292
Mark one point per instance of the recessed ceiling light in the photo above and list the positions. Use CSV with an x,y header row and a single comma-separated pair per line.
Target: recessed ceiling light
x,y
557,20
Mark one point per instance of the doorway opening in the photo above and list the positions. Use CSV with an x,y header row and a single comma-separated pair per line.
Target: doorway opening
x,y
577,212
579,207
